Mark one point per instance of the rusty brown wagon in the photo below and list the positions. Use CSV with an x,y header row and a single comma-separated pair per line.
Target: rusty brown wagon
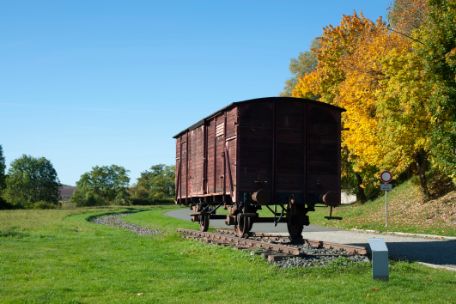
x,y
278,153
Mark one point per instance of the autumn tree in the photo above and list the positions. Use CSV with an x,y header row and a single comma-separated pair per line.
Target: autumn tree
x,y
32,182
156,184
103,185
398,86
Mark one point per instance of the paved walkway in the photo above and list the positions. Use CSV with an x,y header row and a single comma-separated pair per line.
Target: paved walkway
x,y
419,249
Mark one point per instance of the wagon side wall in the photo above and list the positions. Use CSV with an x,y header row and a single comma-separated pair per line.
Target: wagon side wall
x,y
206,160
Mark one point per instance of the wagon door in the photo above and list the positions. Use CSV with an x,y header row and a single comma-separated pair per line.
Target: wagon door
x,y
219,153
231,153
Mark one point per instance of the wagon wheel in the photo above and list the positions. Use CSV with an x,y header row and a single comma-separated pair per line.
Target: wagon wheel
x,y
204,222
243,226
295,222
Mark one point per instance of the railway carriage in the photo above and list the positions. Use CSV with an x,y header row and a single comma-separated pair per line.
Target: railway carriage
x,y
277,153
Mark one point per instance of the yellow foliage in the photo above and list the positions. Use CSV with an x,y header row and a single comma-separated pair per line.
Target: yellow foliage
x,y
363,70
307,86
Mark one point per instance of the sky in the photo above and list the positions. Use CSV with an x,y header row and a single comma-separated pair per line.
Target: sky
x,y
86,83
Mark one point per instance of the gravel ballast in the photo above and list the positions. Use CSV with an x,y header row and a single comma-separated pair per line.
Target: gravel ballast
x,y
315,257
318,257
117,221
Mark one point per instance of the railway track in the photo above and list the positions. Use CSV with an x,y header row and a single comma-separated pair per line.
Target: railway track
x,y
276,248
280,238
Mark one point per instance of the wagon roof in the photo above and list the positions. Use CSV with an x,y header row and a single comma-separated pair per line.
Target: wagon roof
x,y
256,100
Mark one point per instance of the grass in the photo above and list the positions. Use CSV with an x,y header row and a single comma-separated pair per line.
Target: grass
x,y
406,213
56,256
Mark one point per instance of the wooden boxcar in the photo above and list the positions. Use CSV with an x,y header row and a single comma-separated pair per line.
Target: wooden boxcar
x,y
278,153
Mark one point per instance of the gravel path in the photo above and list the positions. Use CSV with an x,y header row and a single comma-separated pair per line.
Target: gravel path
x,y
117,221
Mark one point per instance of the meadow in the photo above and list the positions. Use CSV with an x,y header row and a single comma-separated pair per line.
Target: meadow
x,y
57,256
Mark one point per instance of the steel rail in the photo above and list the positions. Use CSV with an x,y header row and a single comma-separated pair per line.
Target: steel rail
x,y
350,249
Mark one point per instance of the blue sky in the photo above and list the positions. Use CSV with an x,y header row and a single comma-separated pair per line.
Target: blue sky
x,y
87,83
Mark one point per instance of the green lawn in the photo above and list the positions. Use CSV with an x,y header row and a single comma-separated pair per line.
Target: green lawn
x,y
56,256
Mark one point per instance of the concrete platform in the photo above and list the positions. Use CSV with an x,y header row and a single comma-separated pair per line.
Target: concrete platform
x,y
436,252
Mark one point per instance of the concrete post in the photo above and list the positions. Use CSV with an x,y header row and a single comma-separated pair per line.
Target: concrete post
x,y
379,258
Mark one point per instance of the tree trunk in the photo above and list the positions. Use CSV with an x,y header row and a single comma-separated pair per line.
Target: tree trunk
x,y
421,166
361,196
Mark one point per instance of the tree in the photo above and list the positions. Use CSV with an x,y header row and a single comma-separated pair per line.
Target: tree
x,y
103,185
405,116
405,16
304,64
437,49
157,184
32,181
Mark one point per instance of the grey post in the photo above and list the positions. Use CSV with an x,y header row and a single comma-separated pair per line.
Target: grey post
x,y
379,258
386,209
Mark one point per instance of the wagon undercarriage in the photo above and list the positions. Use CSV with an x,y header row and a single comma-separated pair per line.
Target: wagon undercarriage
x,y
243,216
